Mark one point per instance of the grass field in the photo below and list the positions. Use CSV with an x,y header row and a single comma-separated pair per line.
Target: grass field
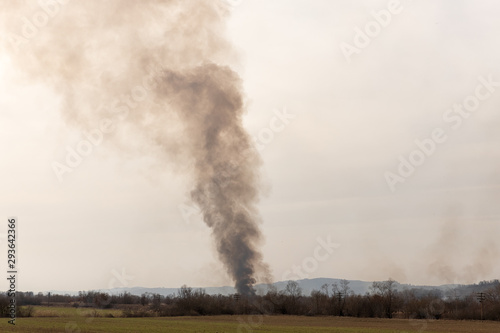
x,y
81,321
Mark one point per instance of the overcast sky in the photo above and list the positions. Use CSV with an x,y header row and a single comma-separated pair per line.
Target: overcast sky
x,y
382,143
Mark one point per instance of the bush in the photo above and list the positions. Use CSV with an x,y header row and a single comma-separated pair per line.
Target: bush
x,y
133,313
25,311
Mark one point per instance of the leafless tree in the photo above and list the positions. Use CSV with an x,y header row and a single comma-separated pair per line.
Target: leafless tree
x,y
386,290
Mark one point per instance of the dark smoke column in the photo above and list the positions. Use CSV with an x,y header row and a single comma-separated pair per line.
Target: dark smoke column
x,y
99,55
208,100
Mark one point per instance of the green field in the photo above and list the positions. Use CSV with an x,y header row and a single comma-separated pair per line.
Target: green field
x,y
79,321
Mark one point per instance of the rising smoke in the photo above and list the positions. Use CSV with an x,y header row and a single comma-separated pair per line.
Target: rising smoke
x,y
94,52
447,255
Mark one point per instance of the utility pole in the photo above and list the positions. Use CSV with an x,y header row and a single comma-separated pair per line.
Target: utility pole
x,y
481,297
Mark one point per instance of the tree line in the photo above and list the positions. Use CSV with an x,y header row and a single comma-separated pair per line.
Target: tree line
x,y
383,300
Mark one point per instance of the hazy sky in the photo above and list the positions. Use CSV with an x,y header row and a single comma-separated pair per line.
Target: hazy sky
x,y
340,116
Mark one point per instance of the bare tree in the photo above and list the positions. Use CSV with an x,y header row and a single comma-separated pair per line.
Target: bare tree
x,y
293,293
386,290
344,287
292,289
324,288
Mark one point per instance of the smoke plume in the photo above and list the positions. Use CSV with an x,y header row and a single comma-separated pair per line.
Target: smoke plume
x,y
159,70
449,261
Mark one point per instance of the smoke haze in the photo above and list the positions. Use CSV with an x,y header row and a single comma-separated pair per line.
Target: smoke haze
x,y
158,71
141,74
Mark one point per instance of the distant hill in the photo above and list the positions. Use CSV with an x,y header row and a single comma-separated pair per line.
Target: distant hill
x,y
308,285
